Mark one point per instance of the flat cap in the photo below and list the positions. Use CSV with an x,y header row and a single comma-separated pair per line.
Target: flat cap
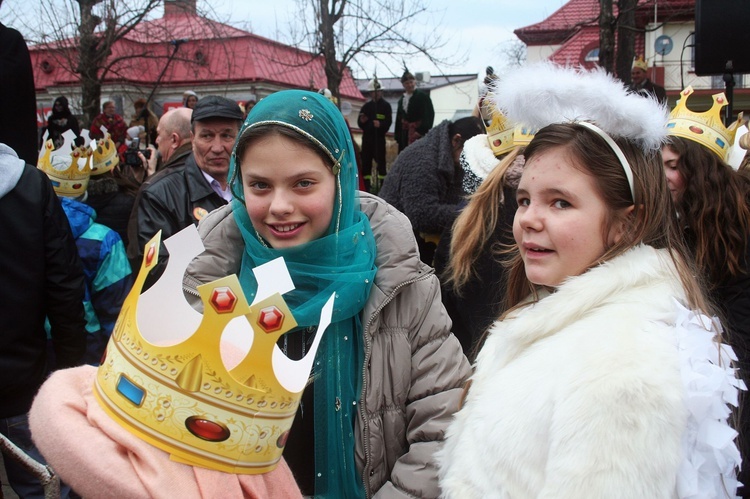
x,y
213,106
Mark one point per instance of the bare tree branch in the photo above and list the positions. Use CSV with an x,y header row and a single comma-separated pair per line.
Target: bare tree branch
x,y
345,32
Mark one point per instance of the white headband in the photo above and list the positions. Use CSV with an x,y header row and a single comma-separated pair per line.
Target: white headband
x,y
616,149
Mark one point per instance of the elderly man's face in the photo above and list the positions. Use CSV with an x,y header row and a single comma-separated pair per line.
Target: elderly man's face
x,y
213,140
637,75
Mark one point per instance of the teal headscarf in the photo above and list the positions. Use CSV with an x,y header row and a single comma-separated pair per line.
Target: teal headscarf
x,y
341,262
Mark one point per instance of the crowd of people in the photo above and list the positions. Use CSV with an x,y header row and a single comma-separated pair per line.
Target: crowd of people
x,y
540,301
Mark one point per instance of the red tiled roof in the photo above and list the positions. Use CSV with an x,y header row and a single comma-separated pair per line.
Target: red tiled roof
x,y
182,25
571,52
562,24
575,49
574,15
212,53
574,26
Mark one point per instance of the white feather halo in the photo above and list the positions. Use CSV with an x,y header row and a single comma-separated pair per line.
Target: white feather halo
x,y
543,93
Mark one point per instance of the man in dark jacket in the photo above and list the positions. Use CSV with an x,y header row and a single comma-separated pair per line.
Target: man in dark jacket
x,y
173,142
374,119
415,113
40,276
640,84
18,121
190,186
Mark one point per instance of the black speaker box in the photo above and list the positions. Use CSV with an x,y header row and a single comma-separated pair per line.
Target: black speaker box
x,y
722,34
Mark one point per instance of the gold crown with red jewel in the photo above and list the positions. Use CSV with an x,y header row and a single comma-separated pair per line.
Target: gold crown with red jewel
x,y
68,167
105,155
501,136
705,128
212,389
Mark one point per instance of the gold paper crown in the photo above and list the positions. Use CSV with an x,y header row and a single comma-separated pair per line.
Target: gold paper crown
x,y
68,177
705,128
187,397
105,156
501,136
640,63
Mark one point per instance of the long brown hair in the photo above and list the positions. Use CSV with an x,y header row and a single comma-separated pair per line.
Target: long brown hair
x,y
475,225
652,222
714,206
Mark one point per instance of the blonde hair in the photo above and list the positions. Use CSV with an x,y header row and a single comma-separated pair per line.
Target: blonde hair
x,y
475,225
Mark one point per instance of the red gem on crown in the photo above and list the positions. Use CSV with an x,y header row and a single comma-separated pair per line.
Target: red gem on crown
x,y
223,300
270,319
150,254
207,430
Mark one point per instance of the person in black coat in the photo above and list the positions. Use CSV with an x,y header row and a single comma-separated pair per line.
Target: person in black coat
x,y
41,276
374,119
60,121
641,84
18,126
112,196
112,189
425,182
415,113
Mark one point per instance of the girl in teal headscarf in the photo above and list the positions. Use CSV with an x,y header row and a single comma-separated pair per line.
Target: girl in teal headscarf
x,y
388,374
299,201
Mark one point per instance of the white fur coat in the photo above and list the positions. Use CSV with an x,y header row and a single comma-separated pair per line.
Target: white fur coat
x,y
579,395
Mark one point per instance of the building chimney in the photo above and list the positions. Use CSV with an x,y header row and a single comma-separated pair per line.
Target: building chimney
x,y
174,7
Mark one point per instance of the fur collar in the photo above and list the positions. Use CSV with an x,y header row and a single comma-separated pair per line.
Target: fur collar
x,y
634,272
105,185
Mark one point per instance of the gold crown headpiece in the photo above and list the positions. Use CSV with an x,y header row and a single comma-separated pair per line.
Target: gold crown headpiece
x,y
705,128
640,63
68,167
500,134
105,155
213,389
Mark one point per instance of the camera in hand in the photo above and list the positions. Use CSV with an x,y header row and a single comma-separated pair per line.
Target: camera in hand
x,y
131,154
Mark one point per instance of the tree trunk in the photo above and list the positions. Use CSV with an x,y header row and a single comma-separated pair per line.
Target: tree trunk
x,y
333,71
606,36
625,38
88,61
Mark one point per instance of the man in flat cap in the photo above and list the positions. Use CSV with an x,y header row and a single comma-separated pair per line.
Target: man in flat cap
x,y
182,194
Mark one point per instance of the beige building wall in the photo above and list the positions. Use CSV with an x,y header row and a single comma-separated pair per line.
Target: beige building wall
x,y
459,100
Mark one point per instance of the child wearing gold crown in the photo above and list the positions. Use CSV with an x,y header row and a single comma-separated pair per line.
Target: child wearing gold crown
x,y
712,199
389,373
604,375
86,437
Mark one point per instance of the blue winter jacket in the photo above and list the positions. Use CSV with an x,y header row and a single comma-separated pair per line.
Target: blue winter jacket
x,y
107,272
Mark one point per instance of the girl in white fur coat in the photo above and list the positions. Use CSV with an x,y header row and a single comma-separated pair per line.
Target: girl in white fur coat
x,y
600,381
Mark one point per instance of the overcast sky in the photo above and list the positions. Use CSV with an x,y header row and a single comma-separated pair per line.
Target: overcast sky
x,y
478,30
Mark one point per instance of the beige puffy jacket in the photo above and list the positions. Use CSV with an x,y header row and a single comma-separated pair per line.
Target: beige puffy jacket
x,y
414,367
